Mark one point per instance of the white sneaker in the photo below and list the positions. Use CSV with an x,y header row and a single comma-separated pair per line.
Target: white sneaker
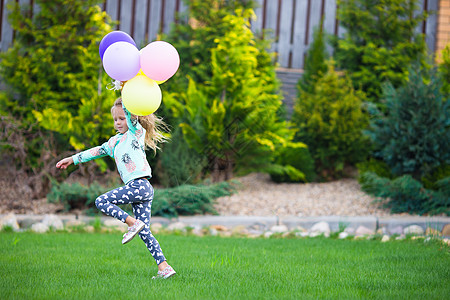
x,y
166,273
132,231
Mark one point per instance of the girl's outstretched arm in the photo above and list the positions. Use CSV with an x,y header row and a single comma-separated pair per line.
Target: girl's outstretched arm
x,y
64,163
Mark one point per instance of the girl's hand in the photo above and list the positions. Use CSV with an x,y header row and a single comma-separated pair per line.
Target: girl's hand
x,y
64,163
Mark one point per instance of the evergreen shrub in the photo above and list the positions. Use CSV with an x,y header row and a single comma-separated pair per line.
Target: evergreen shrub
x,y
298,165
380,42
406,194
413,136
444,68
75,195
330,121
189,199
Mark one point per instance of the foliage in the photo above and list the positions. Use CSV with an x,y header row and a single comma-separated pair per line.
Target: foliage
x,y
444,68
430,180
407,194
375,166
75,195
413,136
53,73
315,62
293,164
189,199
330,121
380,42
179,164
231,116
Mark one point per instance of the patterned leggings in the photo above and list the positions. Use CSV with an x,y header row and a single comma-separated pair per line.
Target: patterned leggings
x,y
138,192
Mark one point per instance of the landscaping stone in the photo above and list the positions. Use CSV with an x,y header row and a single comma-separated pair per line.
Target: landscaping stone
x,y
177,226
414,229
321,227
39,227
396,230
279,228
219,227
268,234
446,230
115,224
9,220
362,230
385,238
343,235
432,231
53,221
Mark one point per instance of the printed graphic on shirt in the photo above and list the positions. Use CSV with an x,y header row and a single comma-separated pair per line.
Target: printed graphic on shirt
x,y
129,164
135,145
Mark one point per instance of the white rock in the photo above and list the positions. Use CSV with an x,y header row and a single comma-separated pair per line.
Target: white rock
x,y
401,237
9,220
414,229
350,230
114,223
362,230
302,234
53,221
385,238
321,227
279,228
268,234
39,227
343,235
177,226
213,231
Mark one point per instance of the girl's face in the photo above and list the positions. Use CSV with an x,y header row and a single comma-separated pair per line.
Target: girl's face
x,y
120,122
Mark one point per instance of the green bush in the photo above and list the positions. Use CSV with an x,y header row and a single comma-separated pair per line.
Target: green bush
x,y
406,194
188,199
75,195
413,136
444,68
292,159
380,42
229,110
430,180
330,121
179,164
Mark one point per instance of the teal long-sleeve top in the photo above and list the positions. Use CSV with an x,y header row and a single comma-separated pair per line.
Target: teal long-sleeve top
x,y
127,149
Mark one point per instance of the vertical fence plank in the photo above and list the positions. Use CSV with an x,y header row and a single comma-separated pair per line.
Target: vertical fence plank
x,y
284,41
112,9
140,17
299,33
431,25
329,22
155,19
314,18
169,15
7,32
271,22
126,15
257,24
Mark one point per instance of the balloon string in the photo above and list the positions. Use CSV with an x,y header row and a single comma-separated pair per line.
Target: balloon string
x,y
114,85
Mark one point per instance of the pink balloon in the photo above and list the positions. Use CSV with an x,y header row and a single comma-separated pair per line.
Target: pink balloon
x,y
159,60
121,61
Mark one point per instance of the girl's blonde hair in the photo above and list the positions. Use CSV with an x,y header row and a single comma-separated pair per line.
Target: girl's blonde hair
x,y
153,126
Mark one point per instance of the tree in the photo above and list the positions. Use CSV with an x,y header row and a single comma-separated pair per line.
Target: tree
x,y
380,42
231,117
55,88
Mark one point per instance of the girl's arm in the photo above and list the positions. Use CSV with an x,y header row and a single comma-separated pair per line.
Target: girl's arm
x,y
90,154
132,121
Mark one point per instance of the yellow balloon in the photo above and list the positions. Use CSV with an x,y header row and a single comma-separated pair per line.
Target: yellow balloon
x,y
141,95
158,82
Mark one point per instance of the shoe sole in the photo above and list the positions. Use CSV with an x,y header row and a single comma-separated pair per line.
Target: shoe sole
x,y
132,237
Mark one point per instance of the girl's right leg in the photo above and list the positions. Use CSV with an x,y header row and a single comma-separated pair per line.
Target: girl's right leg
x,y
107,203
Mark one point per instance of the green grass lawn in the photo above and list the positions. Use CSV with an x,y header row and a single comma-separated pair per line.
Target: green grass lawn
x,y
97,266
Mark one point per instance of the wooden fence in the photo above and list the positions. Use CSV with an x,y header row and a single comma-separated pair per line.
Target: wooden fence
x,y
291,22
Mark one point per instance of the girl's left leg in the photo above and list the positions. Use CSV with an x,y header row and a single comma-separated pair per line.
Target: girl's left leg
x,y
142,211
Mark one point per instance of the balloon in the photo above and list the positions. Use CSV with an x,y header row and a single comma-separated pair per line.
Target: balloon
x,y
114,37
141,95
159,60
121,61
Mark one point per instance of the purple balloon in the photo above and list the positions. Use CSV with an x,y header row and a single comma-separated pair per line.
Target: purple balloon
x,y
122,61
113,37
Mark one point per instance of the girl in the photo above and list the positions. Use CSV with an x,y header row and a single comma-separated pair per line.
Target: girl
x,y
127,148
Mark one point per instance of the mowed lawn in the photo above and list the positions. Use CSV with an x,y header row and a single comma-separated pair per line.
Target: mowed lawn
x,y
98,266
